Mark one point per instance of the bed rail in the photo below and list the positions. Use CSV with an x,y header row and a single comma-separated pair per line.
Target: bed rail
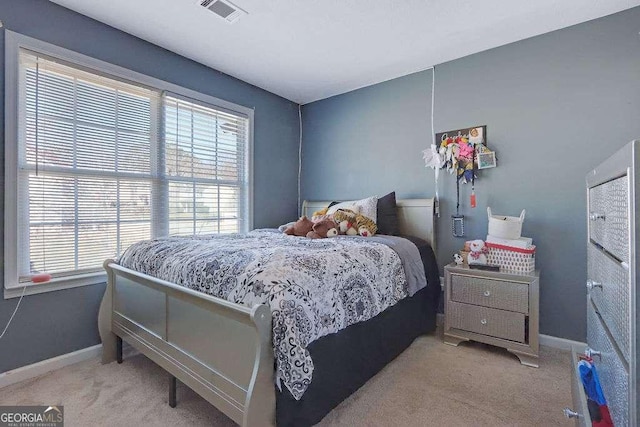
x,y
220,349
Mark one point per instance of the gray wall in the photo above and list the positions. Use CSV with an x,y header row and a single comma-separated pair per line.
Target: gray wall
x,y
55,323
555,105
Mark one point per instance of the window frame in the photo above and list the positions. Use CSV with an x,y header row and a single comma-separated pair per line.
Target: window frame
x,y
13,43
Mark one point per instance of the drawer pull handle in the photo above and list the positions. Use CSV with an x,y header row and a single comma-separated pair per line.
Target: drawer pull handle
x,y
570,413
589,352
487,293
592,284
483,321
594,216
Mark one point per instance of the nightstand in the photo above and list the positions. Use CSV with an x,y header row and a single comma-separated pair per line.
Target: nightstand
x,y
497,308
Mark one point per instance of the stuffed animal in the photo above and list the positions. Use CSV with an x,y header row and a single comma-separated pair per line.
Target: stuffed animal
x,y
346,220
300,228
323,229
458,259
353,224
366,227
318,218
478,252
321,212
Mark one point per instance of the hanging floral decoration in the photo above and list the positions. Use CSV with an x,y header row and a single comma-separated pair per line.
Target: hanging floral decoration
x,y
462,152
458,151
432,158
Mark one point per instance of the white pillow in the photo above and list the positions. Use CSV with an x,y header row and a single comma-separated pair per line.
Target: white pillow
x,y
367,207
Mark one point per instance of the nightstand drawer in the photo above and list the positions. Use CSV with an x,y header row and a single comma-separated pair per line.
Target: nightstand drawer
x,y
494,293
486,321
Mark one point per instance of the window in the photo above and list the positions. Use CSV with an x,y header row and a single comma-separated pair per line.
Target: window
x,y
204,151
104,161
84,171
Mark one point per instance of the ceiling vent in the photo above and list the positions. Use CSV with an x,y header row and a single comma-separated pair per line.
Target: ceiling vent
x,y
224,9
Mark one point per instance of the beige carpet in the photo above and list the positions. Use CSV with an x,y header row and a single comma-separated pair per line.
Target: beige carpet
x,y
430,384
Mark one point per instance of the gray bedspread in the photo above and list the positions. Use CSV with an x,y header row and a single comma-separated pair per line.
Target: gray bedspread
x,y
313,287
410,258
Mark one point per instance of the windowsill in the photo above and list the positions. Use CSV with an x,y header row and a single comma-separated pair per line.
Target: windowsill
x,y
56,284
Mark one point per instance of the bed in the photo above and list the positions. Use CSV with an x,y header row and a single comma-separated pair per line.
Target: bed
x,y
224,350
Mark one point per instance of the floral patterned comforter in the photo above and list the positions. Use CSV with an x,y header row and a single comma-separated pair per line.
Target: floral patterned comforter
x,y
313,287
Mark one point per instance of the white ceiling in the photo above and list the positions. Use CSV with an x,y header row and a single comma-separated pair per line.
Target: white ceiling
x,y
307,50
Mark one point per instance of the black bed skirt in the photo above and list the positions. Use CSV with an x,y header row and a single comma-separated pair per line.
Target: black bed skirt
x,y
344,361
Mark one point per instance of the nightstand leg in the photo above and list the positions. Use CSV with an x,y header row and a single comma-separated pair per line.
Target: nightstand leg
x,y
453,340
526,359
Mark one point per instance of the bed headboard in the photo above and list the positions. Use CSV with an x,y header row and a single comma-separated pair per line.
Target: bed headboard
x,y
416,217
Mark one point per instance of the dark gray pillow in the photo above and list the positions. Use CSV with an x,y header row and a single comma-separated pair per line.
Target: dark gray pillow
x,y
388,215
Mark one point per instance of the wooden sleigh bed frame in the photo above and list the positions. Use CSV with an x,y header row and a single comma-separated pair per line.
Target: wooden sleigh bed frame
x,y
221,350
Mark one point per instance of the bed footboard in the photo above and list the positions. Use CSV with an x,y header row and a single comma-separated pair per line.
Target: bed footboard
x,y
219,349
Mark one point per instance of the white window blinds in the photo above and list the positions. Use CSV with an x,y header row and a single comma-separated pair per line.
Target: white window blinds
x,y
100,167
205,168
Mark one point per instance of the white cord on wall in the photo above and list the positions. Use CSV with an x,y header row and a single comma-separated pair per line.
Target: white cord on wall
x,y
433,134
433,104
14,312
299,160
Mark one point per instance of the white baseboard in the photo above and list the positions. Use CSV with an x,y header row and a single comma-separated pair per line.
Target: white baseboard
x,y
41,368
561,343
